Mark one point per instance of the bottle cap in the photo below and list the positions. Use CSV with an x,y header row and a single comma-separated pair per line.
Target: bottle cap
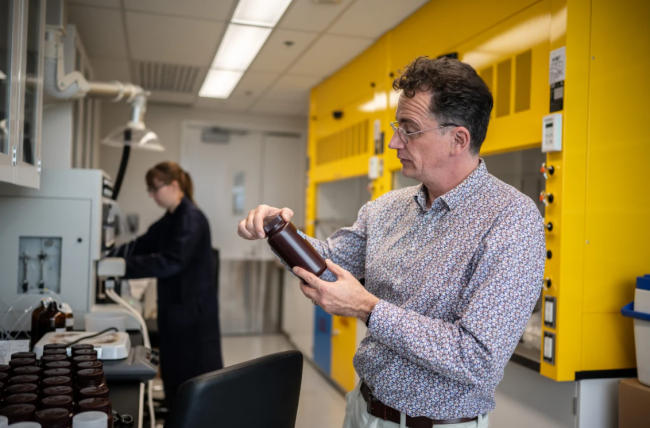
x,y
83,359
4,422
24,379
4,377
57,372
53,418
95,404
33,370
273,223
22,388
26,425
90,365
5,368
58,390
26,398
57,401
19,412
81,352
22,362
23,355
55,351
57,381
54,346
79,347
52,358
100,391
58,365
90,420
90,375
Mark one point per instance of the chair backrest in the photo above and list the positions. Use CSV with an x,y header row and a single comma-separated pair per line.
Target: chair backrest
x,y
261,393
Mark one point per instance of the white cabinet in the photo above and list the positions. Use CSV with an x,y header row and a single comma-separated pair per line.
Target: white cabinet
x,y
22,26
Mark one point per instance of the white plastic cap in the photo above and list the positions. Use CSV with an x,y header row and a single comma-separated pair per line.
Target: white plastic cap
x,y
90,420
4,422
25,425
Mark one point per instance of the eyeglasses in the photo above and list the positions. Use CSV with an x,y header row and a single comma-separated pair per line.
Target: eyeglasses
x,y
155,189
404,136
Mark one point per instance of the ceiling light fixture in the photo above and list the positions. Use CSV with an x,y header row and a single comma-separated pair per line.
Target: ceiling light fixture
x,y
264,13
247,32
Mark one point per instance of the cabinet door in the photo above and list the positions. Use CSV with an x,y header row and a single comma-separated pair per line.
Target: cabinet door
x,y
29,140
8,16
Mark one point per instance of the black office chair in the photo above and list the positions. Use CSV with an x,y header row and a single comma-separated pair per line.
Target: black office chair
x,y
261,393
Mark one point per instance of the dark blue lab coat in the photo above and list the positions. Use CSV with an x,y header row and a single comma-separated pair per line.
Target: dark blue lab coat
x,y
177,251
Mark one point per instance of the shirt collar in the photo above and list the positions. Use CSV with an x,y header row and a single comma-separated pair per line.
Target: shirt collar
x,y
455,196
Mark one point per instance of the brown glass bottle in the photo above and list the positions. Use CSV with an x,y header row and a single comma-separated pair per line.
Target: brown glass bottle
x,y
58,390
53,418
21,388
57,401
24,398
52,319
19,412
292,248
69,316
96,405
36,313
100,391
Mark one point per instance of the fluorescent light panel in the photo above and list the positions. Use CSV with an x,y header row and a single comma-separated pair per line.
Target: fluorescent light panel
x,y
240,46
220,83
251,25
265,13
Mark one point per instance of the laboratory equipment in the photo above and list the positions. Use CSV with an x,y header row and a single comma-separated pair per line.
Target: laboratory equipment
x,y
72,221
109,346
99,321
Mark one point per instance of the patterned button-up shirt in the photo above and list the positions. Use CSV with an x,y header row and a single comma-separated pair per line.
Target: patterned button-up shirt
x,y
457,283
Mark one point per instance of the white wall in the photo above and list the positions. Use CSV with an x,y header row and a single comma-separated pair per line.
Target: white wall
x,y
167,122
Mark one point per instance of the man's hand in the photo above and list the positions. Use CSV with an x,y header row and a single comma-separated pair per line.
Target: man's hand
x,y
346,297
252,227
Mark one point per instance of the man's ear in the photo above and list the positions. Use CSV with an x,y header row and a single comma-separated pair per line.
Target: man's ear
x,y
460,140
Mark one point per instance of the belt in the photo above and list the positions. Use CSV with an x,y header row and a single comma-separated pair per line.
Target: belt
x,y
382,411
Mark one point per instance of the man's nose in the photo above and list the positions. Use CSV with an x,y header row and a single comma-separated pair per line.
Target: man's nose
x,y
395,142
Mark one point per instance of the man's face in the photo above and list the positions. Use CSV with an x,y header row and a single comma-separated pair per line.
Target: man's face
x,y
425,153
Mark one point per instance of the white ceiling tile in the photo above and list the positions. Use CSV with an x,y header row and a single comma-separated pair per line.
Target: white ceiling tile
x,y
372,18
307,16
102,32
220,10
113,4
283,108
292,88
167,97
230,104
329,54
254,83
276,56
173,40
107,69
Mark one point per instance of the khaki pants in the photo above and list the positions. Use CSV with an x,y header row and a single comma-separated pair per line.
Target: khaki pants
x,y
357,416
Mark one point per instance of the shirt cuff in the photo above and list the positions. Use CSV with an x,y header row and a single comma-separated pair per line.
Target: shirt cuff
x,y
384,321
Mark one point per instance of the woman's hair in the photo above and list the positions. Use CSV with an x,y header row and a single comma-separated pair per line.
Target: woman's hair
x,y
167,172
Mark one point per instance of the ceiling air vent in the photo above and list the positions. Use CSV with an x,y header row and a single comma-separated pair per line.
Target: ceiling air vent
x,y
154,76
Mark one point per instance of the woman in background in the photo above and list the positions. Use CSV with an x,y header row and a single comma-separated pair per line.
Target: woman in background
x,y
177,250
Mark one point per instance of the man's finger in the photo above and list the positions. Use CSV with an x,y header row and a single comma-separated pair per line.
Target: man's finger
x,y
336,269
241,231
261,213
287,214
309,292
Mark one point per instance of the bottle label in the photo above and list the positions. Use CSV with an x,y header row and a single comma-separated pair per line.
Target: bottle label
x,y
59,330
69,322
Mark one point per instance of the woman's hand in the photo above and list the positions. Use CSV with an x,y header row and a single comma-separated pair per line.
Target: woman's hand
x,y
252,227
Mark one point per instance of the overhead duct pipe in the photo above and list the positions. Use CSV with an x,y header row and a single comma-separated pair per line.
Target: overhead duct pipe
x,y
74,85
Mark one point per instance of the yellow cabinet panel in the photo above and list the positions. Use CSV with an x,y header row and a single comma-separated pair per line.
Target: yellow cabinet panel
x,y
344,345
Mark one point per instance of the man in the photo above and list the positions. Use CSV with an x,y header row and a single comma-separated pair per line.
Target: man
x,y
452,268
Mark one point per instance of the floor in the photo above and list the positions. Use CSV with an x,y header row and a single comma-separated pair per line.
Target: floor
x,y
321,406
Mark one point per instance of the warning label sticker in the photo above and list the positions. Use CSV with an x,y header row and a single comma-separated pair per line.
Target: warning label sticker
x,y
557,65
